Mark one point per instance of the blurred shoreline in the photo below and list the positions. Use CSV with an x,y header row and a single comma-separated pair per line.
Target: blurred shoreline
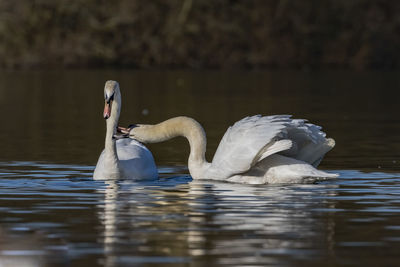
x,y
193,34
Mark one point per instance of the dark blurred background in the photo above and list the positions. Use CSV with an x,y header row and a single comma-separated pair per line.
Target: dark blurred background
x,y
319,60
251,34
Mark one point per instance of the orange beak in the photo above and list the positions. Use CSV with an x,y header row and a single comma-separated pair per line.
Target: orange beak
x,y
107,109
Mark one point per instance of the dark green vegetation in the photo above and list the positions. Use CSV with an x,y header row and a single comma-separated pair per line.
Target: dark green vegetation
x,y
200,33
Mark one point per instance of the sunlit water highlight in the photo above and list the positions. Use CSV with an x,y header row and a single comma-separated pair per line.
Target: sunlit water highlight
x,y
57,214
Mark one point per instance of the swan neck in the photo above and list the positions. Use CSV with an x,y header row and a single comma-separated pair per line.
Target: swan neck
x,y
178,126
112,123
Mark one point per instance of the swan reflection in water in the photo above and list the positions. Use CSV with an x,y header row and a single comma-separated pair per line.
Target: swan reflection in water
x,y
108,217
176,222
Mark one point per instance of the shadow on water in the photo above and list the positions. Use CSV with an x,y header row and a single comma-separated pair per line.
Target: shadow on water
x,y
53,213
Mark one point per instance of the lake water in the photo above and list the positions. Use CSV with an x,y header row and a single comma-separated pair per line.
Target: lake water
x,y
52,213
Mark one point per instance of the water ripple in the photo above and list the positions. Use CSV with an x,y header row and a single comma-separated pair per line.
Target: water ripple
x,y
54,209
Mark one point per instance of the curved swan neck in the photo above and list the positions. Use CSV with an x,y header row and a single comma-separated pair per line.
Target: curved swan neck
x,y
178,126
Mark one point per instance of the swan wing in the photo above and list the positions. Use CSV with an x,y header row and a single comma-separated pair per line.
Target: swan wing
x,y
255,138
309,142
249,141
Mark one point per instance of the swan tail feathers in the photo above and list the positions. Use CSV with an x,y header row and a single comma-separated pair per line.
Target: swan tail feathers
x,y
310,176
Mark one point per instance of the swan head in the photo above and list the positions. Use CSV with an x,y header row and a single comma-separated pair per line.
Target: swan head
x,y
112,95
139,132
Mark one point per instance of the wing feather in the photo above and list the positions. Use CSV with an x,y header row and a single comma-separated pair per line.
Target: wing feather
x,y
244,140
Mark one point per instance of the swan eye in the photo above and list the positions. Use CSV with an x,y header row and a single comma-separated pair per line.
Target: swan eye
x,y
109,99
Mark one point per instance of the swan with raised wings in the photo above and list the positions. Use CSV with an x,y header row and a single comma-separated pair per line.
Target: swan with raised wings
x,y
123,158
255,150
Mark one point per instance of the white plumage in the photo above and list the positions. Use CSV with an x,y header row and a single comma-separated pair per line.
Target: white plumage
x,y
135,162
122,158
255,150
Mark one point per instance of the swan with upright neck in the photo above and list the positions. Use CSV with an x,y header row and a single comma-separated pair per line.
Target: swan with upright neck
x,y
255,150
123,158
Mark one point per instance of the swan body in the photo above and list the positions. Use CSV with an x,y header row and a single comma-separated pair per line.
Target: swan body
x,y
123,158
255,150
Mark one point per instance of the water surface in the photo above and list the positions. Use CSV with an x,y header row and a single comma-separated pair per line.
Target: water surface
x,y
53,213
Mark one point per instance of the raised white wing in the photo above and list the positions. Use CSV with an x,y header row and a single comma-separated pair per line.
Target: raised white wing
x,y
254,138
309,142
243,141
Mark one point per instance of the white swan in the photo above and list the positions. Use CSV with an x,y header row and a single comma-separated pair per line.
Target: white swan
x,y
255,150
123,158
